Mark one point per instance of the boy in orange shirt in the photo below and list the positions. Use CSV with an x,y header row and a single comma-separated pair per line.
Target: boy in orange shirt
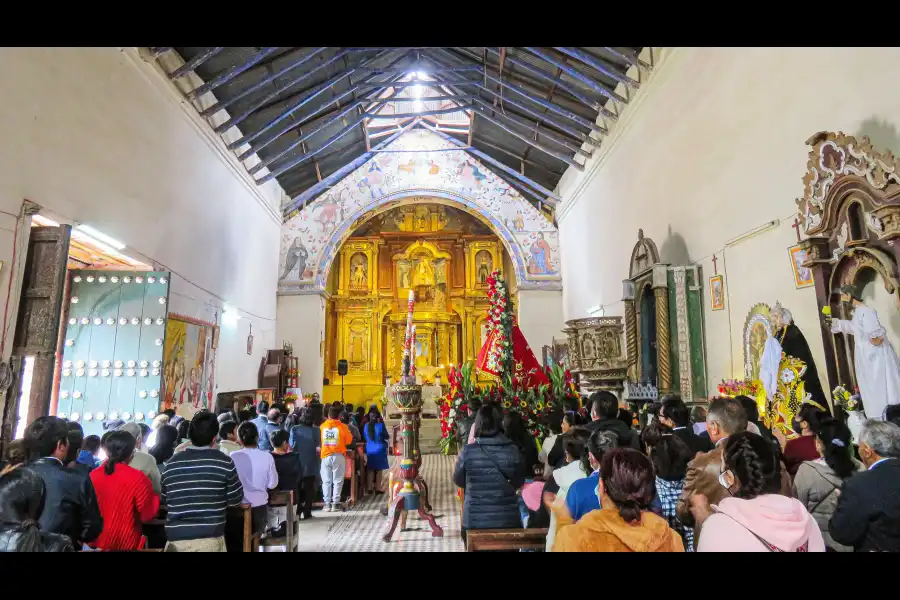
x,y
335,439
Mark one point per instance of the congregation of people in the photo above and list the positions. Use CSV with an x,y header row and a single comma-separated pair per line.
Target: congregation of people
x,y
704,479
63,491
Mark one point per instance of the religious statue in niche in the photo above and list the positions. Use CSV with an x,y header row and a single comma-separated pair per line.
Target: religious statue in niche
x,y
359,271
422,220
403,274
358,343
588,350
788,372
875,361
485,265
424,274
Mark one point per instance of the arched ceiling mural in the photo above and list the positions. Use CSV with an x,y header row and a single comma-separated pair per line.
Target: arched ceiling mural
x,y
417,165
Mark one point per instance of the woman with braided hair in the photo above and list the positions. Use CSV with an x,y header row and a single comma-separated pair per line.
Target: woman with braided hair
x,y
754,517
624,522
819,481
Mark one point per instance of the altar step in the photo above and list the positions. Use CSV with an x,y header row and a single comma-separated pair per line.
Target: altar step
x,y
429,434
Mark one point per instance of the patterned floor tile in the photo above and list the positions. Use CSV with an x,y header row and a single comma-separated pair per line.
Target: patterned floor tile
x,y
360,528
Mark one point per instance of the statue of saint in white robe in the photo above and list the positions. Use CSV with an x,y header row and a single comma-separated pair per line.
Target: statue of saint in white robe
x,y
877,367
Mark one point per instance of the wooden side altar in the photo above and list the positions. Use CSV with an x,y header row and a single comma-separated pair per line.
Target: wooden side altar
x,y
850,210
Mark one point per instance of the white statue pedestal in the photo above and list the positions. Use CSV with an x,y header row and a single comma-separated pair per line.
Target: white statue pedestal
x,y
431,397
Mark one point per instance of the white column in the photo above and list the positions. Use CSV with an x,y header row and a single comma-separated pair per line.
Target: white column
x,y
301,321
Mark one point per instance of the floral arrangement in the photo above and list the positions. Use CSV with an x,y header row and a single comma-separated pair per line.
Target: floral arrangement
x,y
514,390
735,387
844,399
499,324
455,404
290,397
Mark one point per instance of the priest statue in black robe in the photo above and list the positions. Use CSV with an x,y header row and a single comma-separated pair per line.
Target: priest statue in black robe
x,y
788,339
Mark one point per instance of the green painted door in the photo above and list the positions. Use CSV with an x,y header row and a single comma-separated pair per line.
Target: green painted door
x,y
113,347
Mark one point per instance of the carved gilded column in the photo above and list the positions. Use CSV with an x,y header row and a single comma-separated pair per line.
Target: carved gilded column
x,y
663,356
631,348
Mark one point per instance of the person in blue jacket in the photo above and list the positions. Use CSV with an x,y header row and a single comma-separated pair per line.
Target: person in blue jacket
x,y
582,497
376,450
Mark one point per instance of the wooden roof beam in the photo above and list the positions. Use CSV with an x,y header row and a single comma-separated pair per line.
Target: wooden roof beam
x,y
556,108
237,120
578,76
223,104
598,65
231,73
299,104
195,62
554,137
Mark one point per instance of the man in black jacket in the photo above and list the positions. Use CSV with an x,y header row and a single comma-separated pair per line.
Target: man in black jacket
x,y
674,413
70,504
604,413
867,516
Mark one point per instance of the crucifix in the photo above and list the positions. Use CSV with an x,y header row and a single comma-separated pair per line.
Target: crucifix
x,y
715,267
796,227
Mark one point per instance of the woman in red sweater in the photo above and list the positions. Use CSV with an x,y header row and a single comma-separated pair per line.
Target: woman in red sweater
x,y
125,496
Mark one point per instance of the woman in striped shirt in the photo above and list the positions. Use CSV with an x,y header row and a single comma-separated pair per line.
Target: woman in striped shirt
x,y
125,496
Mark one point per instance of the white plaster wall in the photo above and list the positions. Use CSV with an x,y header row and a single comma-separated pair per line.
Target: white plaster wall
x,y
541,318
97,136
712,147
301,321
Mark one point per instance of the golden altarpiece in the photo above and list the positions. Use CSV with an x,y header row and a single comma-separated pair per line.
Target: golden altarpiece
x,y
444,255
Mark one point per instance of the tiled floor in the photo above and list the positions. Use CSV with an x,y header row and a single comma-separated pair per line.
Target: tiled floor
x,y
360,528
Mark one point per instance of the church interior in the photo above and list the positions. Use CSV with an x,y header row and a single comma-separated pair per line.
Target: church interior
x,y
650,208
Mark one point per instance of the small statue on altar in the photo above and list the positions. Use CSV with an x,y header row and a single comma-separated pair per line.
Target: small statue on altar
x,y
787,371
876,363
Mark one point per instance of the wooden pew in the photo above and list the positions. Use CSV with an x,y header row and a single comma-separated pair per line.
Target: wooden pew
x,y
251,540
290,542
480,540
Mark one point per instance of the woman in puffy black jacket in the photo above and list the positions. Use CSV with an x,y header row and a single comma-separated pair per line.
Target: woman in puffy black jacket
x,y
490,471
21,505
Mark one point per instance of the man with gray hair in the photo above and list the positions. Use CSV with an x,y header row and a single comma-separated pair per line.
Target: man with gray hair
x,y
142,461
867,516
725,417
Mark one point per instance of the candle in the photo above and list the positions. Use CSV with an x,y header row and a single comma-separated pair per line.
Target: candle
x,y
406,342
412,361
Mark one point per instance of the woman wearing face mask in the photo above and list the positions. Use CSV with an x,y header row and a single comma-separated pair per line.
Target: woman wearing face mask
x,y
818,481
754,517
803,448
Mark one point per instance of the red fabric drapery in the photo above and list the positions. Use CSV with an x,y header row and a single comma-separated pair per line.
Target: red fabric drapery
x,y
523,358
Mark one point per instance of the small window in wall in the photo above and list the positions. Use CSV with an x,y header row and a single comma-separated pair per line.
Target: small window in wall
x,y
855,218
23,398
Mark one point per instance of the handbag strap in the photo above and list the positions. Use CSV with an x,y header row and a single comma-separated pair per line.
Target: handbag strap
x,y
491,458
825,497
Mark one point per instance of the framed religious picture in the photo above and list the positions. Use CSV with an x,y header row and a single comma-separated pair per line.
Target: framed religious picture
x,y
803,276
717,292
547,352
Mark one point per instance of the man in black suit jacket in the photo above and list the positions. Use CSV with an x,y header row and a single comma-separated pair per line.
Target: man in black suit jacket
x,y
867,516
70,504
674,413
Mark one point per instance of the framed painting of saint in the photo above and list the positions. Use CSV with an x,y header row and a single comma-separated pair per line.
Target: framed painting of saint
x,y
803,276
717,292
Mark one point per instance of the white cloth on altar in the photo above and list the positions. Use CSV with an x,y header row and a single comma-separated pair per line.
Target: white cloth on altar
x,y
769,366
877,367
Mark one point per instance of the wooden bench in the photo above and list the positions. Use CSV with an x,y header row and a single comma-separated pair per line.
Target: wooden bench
x,y
290,541
349,473
250,540
480,540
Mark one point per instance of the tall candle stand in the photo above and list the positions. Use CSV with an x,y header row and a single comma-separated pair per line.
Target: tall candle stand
x,y
411,492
